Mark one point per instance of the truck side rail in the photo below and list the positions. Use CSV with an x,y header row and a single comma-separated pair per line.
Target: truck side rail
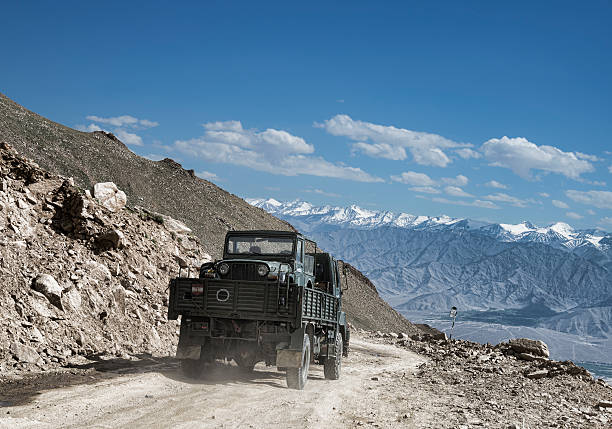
x,y
319,305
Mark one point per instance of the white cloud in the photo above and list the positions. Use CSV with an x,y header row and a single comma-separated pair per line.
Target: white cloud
x,y
505,198
382,141
380,150
521,156
90,128
573,215
467,153
610,169
606,220
588,157
272,151
455,191
559,204
496,184
154,157
129,138
591,212
322,192
207,175
544,194
460,180
124,121
600,199
475,203
425,189
414,178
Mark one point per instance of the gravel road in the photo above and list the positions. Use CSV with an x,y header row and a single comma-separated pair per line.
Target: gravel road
x,y
372,392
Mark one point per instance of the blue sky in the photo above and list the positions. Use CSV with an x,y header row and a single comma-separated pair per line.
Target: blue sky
x,y
492,111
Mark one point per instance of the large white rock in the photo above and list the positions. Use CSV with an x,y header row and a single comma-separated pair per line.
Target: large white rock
x,y
48,286
109,196
526,345
175,226
24,353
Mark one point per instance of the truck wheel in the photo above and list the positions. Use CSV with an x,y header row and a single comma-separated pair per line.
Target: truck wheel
x,y
332,366
245,363
297,377
346,345
192,368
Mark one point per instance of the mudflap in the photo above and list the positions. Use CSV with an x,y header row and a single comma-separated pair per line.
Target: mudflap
x,y
291,357
188,352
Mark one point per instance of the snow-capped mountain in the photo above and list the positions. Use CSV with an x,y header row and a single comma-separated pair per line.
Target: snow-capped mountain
x,y
558,234
552,276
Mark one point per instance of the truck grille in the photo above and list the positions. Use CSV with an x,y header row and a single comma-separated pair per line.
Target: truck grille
x,y
243,271
231,298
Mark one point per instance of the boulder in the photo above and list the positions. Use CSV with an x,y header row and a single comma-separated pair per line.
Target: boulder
x,y
71,299
111,239
24,353
533,347
537,374
48,286
175,226
109,196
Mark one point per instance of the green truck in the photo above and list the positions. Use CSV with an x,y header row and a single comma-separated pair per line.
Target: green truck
x,y
273,298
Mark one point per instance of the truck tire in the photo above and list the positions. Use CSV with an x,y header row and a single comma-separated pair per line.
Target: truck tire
x,y
332,366
191,368
346,345
245,363
297,377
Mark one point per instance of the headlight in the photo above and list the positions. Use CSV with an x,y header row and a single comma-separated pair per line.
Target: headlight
x,y
223,268
262,270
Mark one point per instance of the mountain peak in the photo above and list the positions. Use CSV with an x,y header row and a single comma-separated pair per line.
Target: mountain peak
x,y
558,234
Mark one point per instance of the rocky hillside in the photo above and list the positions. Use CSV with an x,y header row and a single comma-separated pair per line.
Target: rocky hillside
x,y
365,307
162,186
513,384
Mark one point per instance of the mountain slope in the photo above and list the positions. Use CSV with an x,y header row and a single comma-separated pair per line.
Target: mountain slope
x,y
419,263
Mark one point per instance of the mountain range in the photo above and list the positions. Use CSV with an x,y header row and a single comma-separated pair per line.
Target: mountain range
x,y
552,277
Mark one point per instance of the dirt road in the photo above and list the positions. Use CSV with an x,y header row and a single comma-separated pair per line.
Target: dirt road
x,y
376,390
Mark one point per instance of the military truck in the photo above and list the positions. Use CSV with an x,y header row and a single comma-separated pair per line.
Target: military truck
x,y
273,297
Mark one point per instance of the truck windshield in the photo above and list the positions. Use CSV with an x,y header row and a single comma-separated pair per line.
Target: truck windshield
x,y
253,245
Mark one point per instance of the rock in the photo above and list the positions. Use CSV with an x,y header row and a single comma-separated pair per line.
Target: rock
x,y
537,374
71,298
24,353
525,345
48,286
402,336
605,404
182,262
393,335
111,239
531,358
175,226
110,196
